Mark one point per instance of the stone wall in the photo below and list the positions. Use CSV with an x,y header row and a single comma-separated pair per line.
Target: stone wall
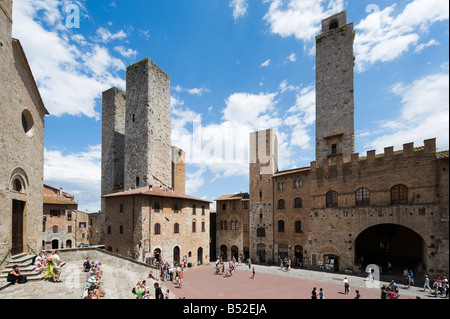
x,y
22,147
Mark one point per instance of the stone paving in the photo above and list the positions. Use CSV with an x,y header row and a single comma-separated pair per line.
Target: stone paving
x,y
200,283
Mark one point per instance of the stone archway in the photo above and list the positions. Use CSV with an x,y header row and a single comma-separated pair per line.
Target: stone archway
x,y
381,243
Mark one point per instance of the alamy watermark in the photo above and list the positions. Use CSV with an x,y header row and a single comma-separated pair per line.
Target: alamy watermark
x,y
72,11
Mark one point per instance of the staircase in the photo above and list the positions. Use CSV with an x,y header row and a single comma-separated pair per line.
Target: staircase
x,y
26,267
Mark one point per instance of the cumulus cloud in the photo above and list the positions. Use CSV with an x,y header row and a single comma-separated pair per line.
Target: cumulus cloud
x,y
384,36
300,18
78,173
72,75
417,121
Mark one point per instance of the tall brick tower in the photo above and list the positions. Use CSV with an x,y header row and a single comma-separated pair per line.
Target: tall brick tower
x,y
147,127
263,164
335,132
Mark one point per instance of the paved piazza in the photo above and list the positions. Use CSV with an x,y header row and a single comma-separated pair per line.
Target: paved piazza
x,y
201,283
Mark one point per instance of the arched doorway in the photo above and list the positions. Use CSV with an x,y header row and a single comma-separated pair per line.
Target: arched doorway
x,y
199,256
176,255
224,253
261,252
298,250
234,252
55,244
157,255
398,244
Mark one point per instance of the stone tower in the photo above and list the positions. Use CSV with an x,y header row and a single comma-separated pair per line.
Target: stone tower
x,y
113,140
178,170
147,127
263,164
335,132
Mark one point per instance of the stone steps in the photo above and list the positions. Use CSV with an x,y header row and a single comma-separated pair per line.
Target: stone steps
x,y
26,266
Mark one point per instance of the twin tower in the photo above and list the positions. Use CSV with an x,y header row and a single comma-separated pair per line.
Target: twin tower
x,y
136,134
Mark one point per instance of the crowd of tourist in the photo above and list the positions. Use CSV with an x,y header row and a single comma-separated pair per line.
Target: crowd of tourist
x,y
94,284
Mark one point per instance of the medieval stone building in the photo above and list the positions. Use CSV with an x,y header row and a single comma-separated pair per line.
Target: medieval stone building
x,y
64,226
145,212
232,220
381,207
22,146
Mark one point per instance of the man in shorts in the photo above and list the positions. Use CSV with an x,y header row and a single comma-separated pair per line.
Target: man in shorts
x,y
56,267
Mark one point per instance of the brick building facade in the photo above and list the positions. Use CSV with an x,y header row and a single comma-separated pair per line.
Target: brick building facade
x,y
232,226
64,226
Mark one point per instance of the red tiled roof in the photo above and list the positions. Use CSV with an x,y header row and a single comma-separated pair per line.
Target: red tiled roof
x,y
155,191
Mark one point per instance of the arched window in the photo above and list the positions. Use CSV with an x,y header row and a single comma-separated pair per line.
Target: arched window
x,y
225,225
362,197
55,229
332,199
281,226
260,232
399,194
298,226
281,204
176,228
194,224
298,202
157,229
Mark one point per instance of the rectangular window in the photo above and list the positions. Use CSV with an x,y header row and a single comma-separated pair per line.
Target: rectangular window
x,y
121,208
121,229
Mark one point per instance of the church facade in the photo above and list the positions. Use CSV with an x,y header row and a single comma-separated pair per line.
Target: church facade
x,y
22,146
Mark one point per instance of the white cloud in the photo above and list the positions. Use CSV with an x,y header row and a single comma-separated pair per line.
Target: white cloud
x,y
266,63
423,46
128,53
383,36
106,35
302,116
424,114
291,58
300,18
72,75
239,8
78,173
193,91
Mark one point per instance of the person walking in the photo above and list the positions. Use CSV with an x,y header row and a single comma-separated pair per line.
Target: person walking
x,y
358,295
314,293
254,272
427,284
346,286
321,294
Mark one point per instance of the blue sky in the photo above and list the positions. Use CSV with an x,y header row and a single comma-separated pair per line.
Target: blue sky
x,y
236,66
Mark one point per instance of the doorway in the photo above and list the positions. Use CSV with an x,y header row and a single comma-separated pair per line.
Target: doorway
x,y
18,208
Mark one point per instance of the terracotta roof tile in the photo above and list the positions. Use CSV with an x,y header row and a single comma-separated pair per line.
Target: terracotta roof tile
x,y
155,191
